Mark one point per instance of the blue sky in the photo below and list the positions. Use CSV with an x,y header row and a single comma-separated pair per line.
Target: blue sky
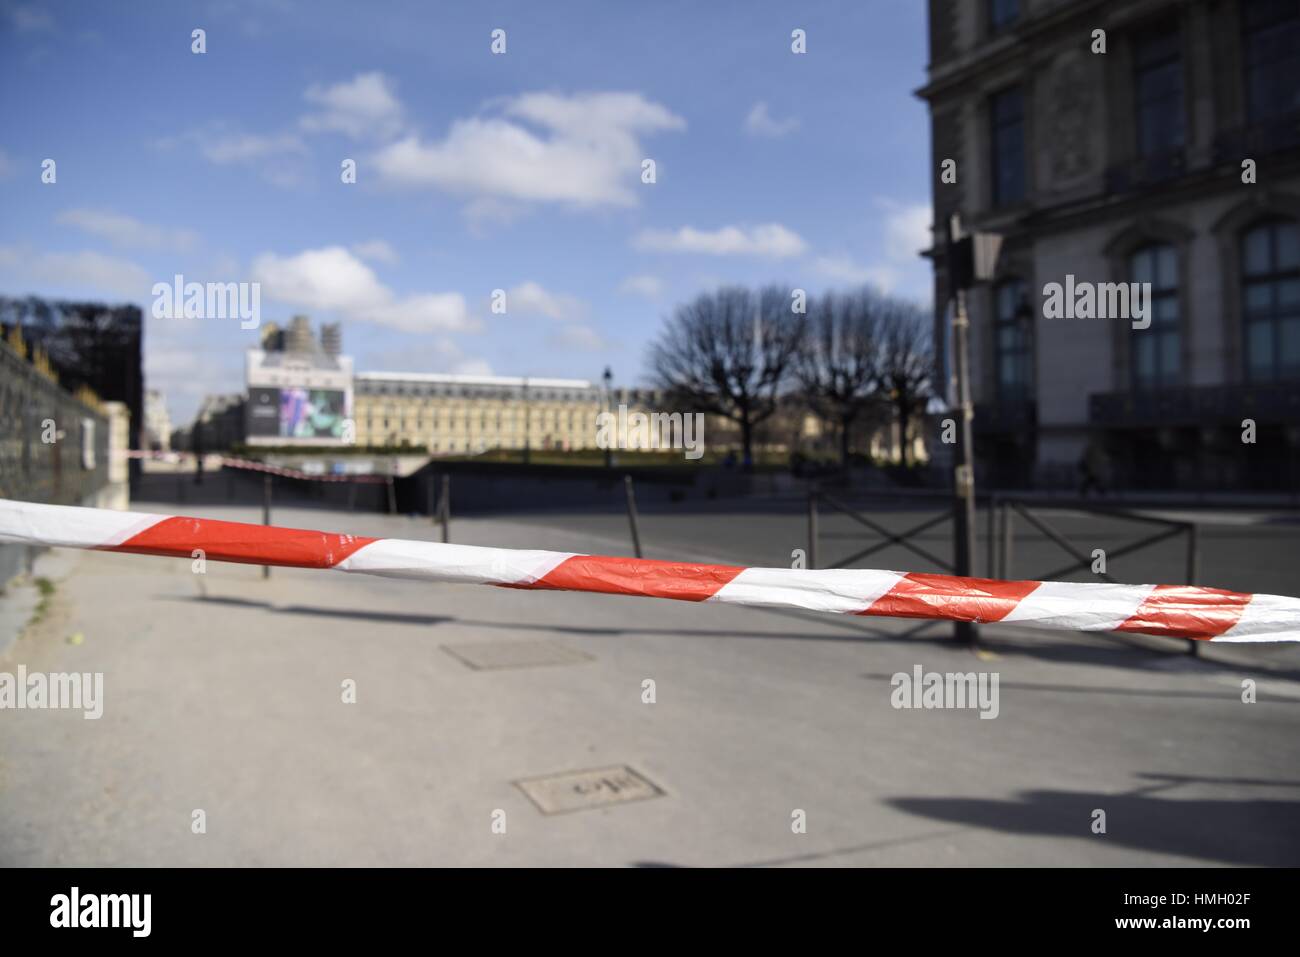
x,y
475,171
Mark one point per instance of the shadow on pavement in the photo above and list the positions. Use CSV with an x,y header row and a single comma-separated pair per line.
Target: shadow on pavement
x,y
1226,694
1245,831
1108,651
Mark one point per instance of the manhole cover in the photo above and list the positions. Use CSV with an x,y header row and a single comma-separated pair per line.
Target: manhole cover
x,y
488,655
580,790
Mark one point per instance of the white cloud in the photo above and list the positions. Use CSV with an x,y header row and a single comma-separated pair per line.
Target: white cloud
x,y
222,146
583,150
28,18
79,273
377,250
333,278
363,106
432,355
648,287
123,230
770,241
907,230
530,297
904,233
760,122
579,337
472,367
843,269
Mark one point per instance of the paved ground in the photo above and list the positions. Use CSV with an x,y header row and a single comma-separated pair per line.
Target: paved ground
x,y
223,693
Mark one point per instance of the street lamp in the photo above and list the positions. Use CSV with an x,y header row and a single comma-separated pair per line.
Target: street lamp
x,y
971,258
608,377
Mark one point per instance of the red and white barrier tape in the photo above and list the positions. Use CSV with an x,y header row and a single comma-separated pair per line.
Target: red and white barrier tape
x,y
1175,611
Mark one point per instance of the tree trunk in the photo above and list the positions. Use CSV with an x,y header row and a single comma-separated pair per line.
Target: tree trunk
x,y
903,421
747,443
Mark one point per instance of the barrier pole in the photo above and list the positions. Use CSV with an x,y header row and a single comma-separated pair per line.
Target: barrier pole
x,y
631,515
812,527
266,513
1193,572
990,570
1007,539
444,508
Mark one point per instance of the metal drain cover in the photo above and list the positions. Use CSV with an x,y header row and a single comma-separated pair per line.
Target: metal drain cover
x,y
581,790
491,655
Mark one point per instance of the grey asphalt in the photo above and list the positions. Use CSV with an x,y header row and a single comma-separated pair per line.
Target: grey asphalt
x,y
222,693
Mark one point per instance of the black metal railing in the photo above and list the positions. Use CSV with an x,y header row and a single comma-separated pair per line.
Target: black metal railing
x,y
53,447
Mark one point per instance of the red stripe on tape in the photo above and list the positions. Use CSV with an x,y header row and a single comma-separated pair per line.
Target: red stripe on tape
x,y
1186,611
240,542
920,595
637,576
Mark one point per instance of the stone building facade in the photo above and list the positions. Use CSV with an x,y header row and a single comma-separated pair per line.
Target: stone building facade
x,y
1130,165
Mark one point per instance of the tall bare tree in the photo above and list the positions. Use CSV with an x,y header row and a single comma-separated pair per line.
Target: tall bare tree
x,y
729,353
907,363
839,364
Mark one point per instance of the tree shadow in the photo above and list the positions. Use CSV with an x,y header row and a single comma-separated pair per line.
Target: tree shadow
x,y
1244,831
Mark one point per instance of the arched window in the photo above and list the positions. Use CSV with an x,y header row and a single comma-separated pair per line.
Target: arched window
x,y
1013,350
1270,271
1157,349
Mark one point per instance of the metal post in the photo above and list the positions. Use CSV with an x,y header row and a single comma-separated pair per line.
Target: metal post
x,y
432,504
444,508
990,569
631,514
812,527
1007,537
266,513
1193,573
392,497
964,474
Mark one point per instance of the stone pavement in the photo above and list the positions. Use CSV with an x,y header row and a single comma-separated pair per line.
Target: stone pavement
x,y
223,693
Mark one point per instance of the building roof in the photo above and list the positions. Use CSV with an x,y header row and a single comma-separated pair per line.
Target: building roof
x,y
489,380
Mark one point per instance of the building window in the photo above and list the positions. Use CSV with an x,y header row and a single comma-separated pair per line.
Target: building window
x,y
1003,13
1157,349
1158,85
1271,47
1013,349
1270,267
1007,113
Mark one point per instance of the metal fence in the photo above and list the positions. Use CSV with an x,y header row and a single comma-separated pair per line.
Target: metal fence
x,y
53,447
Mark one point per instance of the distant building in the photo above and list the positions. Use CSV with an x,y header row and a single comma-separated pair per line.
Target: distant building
x,y
1126,167
299,388
471,414
90,345
157,422
219,424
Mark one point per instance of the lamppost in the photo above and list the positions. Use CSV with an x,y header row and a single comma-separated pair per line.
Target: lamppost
x,y
608,377
971,258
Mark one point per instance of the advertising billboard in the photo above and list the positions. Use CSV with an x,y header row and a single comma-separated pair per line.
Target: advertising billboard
x,y
298,400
